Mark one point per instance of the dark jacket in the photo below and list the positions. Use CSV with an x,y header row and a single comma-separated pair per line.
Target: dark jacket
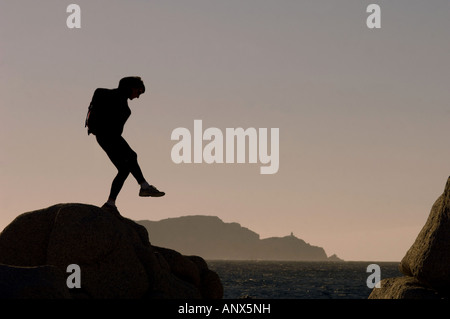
x,y
109,112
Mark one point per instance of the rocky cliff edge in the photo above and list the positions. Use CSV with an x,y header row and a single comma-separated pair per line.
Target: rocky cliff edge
x,y
426,265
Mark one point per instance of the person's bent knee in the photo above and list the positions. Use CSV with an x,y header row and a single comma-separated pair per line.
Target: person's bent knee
x,y
123,170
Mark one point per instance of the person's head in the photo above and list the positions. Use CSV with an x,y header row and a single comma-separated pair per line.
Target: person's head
x,y
132,86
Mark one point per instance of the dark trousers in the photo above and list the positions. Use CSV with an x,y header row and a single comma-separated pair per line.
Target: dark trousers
x,y
123,158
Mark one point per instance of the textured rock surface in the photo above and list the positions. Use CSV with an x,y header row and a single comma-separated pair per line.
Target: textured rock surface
x,y
428,259
427,263
403,288
32,283
114,254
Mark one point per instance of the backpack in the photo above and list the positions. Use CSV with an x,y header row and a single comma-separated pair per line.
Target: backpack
x,y
106,114
88,121
94,110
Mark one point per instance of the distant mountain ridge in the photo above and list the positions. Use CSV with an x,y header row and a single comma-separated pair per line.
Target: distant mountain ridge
x,y
211,238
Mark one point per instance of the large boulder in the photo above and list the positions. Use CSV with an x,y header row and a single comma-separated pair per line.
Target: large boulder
x,y
114,255
426,265
428,259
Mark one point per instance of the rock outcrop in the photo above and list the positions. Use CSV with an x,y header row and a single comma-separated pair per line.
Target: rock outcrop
x,y
426,264
335,258
114,255
403,288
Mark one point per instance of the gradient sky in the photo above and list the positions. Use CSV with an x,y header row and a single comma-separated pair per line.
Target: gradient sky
x,y
363,114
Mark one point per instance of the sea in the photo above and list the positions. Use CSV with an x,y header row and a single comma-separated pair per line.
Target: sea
x,y
300,280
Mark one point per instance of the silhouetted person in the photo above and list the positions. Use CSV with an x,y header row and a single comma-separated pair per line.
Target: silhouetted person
x,y
106,118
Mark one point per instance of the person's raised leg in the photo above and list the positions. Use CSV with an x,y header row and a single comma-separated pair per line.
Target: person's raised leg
x,y
146,189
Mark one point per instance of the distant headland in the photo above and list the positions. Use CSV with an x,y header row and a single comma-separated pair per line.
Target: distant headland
x,y
213,239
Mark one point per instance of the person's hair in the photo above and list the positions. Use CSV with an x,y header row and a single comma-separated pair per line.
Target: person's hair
x,y
131,82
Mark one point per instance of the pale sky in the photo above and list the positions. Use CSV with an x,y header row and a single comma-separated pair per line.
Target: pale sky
x,y
362,113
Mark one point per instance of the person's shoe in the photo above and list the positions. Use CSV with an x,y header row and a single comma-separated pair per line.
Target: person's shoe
x,y
112,209
108,206
150,191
